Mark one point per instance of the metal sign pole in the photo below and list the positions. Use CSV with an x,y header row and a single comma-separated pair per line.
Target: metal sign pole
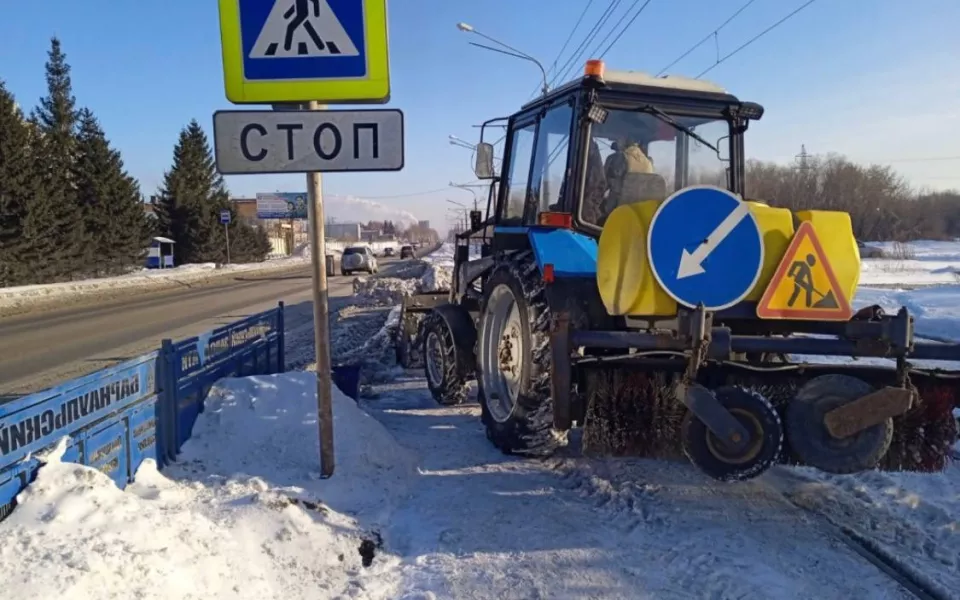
x,y
226,231
321,317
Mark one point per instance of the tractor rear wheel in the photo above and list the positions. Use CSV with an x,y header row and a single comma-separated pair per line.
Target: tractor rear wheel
x,y
448,338
514,360
715,458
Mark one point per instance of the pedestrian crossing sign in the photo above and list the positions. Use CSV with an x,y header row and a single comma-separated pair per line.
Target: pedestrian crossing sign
x,y
804,286
332,51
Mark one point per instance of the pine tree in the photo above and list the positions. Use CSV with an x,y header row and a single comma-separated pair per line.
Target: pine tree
x,y
20,185
190,199
57,234
113,214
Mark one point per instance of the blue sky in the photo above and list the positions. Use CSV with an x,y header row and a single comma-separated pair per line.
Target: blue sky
x,y
871,79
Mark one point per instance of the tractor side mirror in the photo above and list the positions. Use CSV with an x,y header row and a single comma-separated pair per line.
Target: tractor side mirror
x,y
483,168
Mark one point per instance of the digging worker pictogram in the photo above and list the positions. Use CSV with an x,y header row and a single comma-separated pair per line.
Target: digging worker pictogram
x,y
801,272
300,12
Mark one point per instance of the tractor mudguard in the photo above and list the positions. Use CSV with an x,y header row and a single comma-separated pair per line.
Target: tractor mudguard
x,y
572,254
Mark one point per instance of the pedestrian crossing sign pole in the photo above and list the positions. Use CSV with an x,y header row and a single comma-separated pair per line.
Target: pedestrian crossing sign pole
x,y
313,53
331,51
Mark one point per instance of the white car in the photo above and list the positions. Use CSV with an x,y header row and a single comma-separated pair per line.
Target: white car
x,y
358,258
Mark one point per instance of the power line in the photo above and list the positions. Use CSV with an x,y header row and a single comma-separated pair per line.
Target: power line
x,y
625,27
561,73
612,29
573,31
755,38
576,25
712,34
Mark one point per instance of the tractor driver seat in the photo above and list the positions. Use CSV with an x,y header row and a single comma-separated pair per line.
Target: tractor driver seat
x,y
637,187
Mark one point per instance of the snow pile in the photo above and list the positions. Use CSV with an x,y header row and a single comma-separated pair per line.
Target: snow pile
x,y
436,278
244,516
383,290
26,295
373,350
266,427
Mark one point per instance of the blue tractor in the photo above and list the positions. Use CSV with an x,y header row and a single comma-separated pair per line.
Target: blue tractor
x,y
568,309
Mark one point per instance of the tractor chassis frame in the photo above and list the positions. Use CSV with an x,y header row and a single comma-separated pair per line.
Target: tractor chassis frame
x,y
703,352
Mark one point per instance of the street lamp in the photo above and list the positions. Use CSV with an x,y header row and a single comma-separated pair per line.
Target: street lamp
x,y
467,189
455,141
466,27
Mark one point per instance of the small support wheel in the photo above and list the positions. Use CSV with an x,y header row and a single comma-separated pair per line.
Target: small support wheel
x,y
448,337
715,458
813,444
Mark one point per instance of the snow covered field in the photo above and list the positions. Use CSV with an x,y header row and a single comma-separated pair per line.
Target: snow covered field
x,y
418,487
14,297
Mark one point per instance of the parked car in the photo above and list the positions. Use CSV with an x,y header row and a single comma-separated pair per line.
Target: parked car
x,y
870,251
358,258
407,252
389,251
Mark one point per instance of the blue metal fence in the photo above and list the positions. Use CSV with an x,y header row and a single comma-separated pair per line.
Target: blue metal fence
x,y
143,408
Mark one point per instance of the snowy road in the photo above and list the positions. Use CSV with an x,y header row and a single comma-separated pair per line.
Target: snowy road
x,y
482,525
37,351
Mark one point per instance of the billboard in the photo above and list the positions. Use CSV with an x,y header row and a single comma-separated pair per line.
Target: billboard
x,y
282,205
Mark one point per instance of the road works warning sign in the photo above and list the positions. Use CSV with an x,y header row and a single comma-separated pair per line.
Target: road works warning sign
x,y
804,286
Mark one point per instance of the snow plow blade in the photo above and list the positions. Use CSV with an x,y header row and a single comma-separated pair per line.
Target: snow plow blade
x,y
412,310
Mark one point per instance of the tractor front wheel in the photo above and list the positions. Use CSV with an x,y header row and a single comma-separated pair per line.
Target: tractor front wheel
x,y
448,337
514,360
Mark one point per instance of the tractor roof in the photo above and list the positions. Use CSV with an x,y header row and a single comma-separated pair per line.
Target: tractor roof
x,y
639,81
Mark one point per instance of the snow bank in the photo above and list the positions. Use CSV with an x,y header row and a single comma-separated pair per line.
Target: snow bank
x,y
266,426
244,515
16,297
913,264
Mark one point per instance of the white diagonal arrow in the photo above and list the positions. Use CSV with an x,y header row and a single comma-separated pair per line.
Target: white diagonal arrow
x,y
691,263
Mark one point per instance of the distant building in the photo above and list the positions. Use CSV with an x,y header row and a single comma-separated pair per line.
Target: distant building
x,y
423,225
343,231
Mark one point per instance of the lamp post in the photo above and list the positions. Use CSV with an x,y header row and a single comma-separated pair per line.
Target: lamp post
x,y
466,27
467,189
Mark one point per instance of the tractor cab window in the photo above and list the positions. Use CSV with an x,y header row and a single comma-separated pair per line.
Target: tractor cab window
x,y
521,154
550,162
635,156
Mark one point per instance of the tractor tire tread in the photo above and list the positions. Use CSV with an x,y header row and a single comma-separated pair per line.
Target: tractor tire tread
x,y
457,366
529,431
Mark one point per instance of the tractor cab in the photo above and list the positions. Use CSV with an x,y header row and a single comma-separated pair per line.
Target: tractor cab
x,y
612,138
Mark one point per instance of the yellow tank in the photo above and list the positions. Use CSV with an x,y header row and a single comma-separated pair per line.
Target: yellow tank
x,y
835,233
626,282
624,277
776,227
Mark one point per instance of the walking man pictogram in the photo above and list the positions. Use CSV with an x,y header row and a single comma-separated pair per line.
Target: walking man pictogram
x,y
300,12
802,275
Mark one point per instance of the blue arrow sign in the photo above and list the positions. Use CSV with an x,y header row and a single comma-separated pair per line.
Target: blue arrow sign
x,y
705,247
